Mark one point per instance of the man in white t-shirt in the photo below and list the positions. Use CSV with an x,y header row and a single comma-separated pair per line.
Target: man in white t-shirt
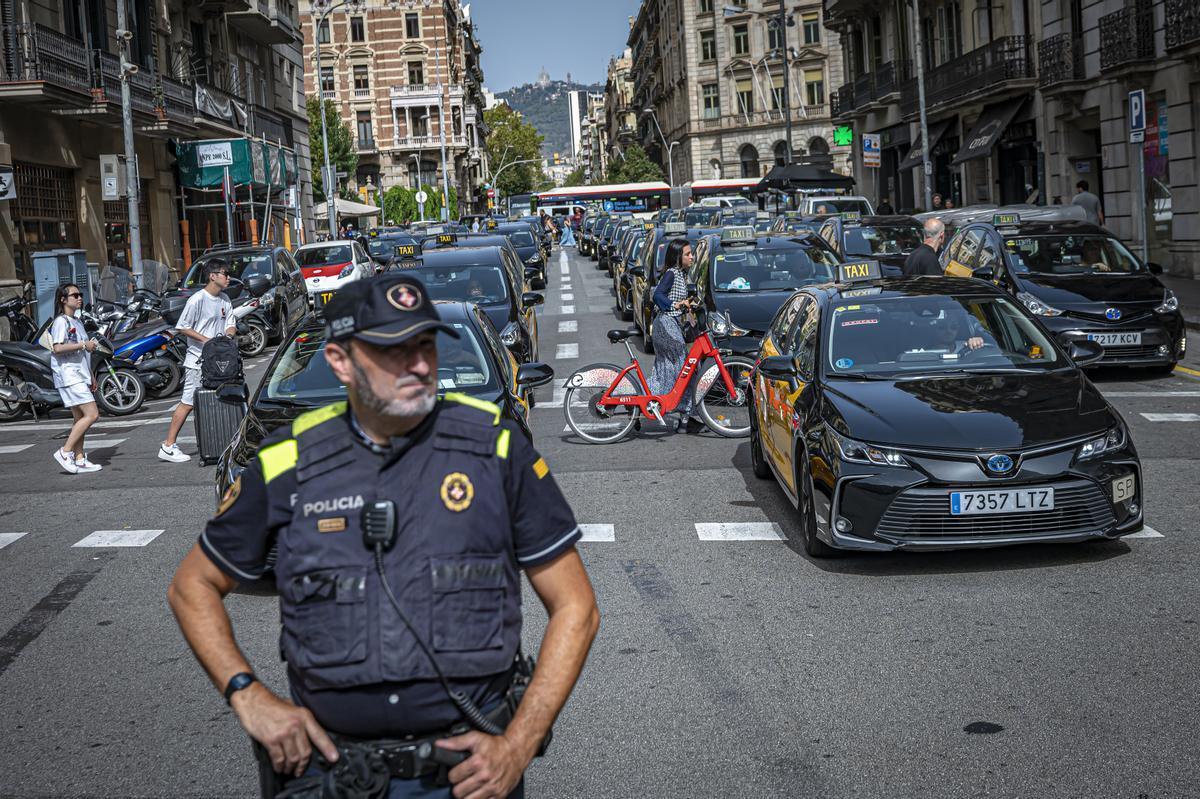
x,y
208,313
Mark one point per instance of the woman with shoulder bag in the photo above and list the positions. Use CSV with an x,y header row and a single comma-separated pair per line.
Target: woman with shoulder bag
x,y
71,364
670,344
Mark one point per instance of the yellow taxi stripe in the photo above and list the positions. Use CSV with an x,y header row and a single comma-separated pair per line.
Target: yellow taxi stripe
x,y
502,444
307,421
278,459
477,404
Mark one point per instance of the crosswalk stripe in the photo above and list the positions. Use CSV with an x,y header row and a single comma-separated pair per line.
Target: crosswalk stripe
x,y
118,538
598,532
8,538
101,425
568,326
100,442
13,449
1172,417
740,531
1151,393
566,351
567,296
568,309
1147,532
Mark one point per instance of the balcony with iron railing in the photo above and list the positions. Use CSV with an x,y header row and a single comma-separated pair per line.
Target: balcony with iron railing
x,y
1127,36
267,21
1060,60
106,84
35,54
363,93
416,94
1001,65
841,100
426,142
1183,23
176,101
365,144
266,124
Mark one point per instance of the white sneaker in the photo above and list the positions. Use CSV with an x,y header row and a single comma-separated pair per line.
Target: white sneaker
x,y
67,461
172,453
85,465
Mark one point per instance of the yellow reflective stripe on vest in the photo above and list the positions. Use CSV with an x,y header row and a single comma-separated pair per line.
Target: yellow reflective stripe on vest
x,y
278,458
477,404
307,421
502,444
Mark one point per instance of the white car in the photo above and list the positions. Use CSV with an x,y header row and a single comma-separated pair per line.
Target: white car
x,y
734,202
329,265
812,205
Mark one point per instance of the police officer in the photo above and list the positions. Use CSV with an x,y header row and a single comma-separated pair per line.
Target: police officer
x,y
401,522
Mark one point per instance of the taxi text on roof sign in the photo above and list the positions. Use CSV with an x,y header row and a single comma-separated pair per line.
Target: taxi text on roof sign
x,y
673,228
447,238
732,235
858,271
1005,219
406,249
851,216
647,226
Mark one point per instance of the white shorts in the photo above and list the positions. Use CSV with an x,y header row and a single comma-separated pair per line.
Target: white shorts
x,y
77,394
191,382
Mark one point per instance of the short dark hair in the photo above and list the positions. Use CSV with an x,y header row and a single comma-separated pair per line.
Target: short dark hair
x,y
1082,185
215,265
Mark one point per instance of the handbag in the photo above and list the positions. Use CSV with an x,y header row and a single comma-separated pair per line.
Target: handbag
x,y
689,326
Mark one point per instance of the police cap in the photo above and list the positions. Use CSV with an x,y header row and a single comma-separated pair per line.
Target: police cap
x,y
383,310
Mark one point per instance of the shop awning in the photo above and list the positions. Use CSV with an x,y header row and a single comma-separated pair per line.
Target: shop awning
x,y
344,208
250,162
916,154
988,129
802,176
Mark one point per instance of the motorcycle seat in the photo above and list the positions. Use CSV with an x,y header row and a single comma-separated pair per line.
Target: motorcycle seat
x,y
29,350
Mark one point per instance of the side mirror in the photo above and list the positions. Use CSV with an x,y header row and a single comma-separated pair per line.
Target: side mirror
x,y
258,285
534,374
637,271
531,272
538,284
1155,268
530,298
1085,353
777,367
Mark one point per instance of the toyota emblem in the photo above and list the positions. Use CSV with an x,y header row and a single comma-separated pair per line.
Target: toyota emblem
x,y
999,464
1112,314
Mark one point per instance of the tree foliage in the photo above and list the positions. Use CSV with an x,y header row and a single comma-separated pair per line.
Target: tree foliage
x,y
634,167
400,204
341,145
575,178
511,139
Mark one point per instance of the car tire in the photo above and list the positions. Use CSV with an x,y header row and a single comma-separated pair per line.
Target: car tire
x,y
814,547
758,461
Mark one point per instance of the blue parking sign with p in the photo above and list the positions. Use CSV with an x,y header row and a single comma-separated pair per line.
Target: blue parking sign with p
x,y
1137,110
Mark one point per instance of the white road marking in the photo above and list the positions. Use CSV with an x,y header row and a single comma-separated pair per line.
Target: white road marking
x,y
598,532
740,531
13,449
1151,393
100,442
8,538
568,309
568,297
118,538
52,428
1172,417
566,270
1147,532
568,326
566,351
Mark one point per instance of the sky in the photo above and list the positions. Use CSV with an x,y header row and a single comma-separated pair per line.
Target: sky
x,y
519,37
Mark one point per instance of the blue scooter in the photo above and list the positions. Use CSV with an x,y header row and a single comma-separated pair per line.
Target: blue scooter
x,y
155,349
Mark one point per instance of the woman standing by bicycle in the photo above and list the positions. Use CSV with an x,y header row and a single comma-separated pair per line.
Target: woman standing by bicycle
x,y
71,365
671,300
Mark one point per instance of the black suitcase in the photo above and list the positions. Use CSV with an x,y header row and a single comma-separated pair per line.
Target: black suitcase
x,y
217,421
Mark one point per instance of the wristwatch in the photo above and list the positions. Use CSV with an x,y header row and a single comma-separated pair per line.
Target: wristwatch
x,y
237,682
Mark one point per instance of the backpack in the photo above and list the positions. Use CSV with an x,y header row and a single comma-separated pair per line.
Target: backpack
x,y
220,362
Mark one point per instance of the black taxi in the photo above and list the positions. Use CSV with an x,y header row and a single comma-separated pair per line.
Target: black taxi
x,y
625,258
796,222
922,413
1080,281
390,246
648,270
886,239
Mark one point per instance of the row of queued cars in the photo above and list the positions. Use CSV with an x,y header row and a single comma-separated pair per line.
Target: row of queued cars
x,y
923,413
486,284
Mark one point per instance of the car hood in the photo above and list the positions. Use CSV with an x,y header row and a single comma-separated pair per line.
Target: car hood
x,y
752,311
1083,291
969,412
497,314
525,253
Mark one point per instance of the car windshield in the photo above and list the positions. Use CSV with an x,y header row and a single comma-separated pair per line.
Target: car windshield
x,y
1070,255
702,217
520,238
324,256
302,374
836,206
477,283
742,270
799,226
882,239
240,265
927,335
385,248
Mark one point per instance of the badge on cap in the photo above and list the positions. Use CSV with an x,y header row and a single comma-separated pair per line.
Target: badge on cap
x,y
457,491
403,297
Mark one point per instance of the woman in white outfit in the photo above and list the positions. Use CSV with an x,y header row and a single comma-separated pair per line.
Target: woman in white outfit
x,y
70,361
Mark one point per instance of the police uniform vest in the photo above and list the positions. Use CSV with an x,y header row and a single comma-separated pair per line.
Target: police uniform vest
x,y
453,566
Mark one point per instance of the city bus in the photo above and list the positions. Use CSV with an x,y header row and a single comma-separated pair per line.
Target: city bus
x,y
641,199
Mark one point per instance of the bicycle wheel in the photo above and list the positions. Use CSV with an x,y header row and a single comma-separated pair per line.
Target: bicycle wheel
x,y
725,415
589,421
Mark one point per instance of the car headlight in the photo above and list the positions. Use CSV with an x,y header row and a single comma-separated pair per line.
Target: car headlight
x,y
510,335
1170,303
1113,439
858,452
534,259
1036,306
347,270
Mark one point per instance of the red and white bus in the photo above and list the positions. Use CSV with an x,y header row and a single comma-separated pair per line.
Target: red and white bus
x,y
641,199
698,190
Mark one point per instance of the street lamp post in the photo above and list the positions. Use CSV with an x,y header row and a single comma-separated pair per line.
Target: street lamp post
x,y
132,187
782,21
670,147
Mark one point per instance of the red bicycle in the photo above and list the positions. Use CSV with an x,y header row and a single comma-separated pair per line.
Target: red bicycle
x,y
603,401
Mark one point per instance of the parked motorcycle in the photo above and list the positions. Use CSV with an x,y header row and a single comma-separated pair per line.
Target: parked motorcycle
x,y
142,336
253,320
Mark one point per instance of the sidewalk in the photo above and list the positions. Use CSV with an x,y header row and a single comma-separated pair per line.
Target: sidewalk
x,y
1188,292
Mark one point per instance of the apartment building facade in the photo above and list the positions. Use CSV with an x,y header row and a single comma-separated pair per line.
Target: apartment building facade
x,y
620,117
401,74
205,71
594,139
714,74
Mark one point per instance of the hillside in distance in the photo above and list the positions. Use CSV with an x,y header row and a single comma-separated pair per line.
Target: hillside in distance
x,y
545,106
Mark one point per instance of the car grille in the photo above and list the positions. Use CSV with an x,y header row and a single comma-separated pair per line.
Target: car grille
x,y
1142,352
1079,507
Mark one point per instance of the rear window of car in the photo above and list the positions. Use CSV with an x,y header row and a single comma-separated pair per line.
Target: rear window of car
x,y
324,256
478,283
745,269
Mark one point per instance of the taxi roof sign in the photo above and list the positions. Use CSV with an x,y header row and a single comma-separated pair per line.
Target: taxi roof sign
x,y
407,249
1005,220
740,233
647,226
852,217
859,271
492,224
675,228
447,238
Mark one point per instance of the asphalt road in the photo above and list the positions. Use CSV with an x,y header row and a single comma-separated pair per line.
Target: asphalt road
x,y
733,667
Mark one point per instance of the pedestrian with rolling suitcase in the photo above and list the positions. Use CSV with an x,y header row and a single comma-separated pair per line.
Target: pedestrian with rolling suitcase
x,y
221,398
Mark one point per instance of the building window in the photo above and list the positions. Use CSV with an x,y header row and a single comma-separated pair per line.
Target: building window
x,y
357,32
741,40
708,46
812,27
777,93
323,33
814,86
818,146
412,26
775,39
745,96
876,31
712,100
327,81
748,157
780,153
44,213
361,81
416,73
365,136
706,6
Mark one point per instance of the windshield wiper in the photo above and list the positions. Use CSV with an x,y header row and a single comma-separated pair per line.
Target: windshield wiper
x,y
283,402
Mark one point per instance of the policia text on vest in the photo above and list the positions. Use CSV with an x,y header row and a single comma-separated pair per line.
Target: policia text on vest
x,y
383,619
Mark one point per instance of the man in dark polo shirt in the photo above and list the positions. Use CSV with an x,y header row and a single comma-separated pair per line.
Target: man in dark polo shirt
x,y
402,522
924,259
